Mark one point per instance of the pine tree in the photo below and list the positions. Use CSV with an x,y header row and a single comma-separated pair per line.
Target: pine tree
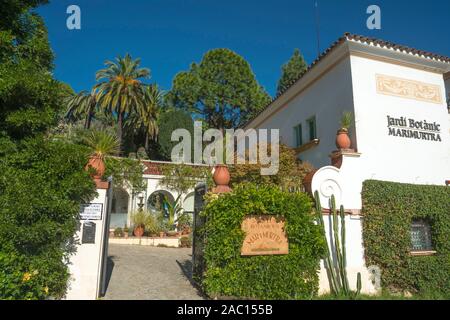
x,y
291,71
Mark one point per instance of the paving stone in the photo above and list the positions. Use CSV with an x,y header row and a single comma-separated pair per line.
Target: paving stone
x,y
150,273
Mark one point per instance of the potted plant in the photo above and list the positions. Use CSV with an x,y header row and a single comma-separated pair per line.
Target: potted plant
x,y
174,209
152,225
139,220
125,231
102,144
184,223
342,138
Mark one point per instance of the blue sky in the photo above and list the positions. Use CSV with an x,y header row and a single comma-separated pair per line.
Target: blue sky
x,y
168,35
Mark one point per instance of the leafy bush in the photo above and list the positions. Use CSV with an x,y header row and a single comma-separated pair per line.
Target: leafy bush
x,y
153,224
389,209
186,242
289,177
292,276
118,232
41,187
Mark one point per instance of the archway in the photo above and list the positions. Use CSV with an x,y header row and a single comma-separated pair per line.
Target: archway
x,y
119,208
156,202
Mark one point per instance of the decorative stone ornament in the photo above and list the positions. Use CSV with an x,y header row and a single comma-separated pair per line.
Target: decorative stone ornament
x,y
221,178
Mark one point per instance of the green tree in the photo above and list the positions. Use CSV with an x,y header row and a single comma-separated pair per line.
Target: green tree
x,y
121,91
291,71
170,120
83,104
147,115
42,180
222,90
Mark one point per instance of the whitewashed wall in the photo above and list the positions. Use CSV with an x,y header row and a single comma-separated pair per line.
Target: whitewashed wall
x,y
153,183
326,99
85,264
391,158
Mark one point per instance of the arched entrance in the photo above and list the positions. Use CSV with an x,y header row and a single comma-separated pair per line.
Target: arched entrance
x,y
156,202
119,208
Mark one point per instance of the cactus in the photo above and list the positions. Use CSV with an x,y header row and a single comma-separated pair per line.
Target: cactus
x,y
327,259
336,270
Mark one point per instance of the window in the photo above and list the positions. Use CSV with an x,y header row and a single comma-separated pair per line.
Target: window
x,y
298,135
312,128
421,236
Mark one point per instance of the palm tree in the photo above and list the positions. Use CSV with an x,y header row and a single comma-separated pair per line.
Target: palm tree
x,y
148,113
102,143
121,92
83,104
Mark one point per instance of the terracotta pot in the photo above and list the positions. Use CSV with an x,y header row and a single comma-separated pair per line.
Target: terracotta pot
x,y
98,165
161,234
139,231
343,140
221,175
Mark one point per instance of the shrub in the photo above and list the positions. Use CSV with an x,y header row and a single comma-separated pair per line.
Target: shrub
x,y
41,187
186,242
292,276
118,232
389,209
289,177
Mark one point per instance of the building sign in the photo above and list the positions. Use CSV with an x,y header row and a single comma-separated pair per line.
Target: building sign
x,y
414,129
91,211
264,235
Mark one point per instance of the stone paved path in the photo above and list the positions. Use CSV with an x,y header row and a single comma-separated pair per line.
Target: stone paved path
x,y
150,273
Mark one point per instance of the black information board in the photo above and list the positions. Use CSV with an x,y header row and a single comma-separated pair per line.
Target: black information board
x,y
88,235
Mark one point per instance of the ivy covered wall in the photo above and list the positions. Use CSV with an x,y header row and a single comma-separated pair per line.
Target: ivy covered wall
x,y
389,210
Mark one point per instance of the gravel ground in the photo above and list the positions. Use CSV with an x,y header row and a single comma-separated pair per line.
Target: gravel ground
x,y
149,273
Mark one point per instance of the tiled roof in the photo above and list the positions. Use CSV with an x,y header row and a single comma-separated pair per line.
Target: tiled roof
x,y
156,167
152,168
367,40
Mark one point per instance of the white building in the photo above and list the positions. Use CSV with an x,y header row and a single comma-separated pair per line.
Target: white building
x,y
398,96
125,201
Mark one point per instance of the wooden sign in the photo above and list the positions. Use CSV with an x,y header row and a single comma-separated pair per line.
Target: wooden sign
x,y
264,235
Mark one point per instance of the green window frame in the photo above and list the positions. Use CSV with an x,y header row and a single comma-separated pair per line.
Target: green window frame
x,y
298,137
312,128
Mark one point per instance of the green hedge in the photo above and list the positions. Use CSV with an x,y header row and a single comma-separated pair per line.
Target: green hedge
x,y
292,276
41,187
389,209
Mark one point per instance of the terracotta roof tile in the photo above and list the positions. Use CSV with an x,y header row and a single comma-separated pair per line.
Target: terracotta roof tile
x,y
152,168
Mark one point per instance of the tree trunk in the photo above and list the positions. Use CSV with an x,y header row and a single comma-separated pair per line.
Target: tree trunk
x,y
120,131
146,142
87,123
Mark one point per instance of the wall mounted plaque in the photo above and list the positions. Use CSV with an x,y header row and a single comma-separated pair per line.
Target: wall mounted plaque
x,y
264,235
91,211
88,235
